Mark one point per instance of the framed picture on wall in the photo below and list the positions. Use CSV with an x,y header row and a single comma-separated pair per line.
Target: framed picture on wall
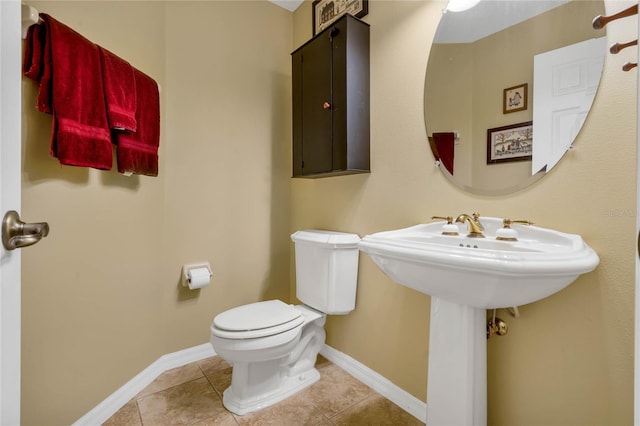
x,y
510,143
327,11
515,98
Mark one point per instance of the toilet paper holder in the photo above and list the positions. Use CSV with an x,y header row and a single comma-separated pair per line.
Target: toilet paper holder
x,y
186,280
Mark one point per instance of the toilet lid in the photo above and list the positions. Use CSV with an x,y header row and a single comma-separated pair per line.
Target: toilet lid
x,y
257,320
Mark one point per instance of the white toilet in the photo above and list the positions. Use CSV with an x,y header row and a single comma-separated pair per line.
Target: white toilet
x,y
272,346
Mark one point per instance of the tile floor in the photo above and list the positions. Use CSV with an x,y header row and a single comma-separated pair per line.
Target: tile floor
x,y
192,395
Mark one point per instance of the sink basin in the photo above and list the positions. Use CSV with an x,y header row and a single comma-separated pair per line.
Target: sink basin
x,y
481,272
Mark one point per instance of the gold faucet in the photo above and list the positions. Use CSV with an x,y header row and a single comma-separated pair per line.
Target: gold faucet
x,y
475,227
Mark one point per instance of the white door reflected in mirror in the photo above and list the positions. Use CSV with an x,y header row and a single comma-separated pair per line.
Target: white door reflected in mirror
x,y
565,84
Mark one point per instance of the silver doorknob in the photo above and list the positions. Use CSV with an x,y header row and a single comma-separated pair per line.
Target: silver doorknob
x,y
17,234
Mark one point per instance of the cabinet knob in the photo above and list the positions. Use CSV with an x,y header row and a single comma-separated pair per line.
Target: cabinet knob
x,y
326,105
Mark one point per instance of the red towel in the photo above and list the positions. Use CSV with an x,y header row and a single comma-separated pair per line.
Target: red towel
x,y
119,91
33,54
71,88
138,152
444,144
36,54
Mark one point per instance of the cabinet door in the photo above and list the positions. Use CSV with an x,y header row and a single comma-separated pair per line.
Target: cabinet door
x,y
330,84
316,100
341,105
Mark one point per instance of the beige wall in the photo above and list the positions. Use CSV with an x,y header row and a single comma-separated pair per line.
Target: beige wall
x,y
101,299
100,295
450,107
567,359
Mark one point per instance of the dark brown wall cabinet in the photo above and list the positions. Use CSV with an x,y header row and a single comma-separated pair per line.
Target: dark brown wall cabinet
x,y
331,101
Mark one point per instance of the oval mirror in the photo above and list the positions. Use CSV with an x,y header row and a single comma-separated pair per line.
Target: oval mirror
x,y
507,89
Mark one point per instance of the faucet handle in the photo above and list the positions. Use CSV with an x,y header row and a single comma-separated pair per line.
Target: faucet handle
x,y
449,219
449,228
507,222
508,234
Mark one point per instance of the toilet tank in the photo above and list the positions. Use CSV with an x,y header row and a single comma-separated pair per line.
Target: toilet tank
x,y
326,270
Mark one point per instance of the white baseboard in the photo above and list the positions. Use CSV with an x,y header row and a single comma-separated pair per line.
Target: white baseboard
x,y
380,384
107,408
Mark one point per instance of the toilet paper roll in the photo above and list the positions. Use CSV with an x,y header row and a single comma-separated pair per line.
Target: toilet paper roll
x,y
198,278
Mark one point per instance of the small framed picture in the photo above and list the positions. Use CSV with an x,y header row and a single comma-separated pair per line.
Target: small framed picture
x,y
510,143
327,11
515,98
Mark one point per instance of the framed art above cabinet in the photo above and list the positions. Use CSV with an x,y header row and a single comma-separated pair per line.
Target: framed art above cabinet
x,y
327,11
330,78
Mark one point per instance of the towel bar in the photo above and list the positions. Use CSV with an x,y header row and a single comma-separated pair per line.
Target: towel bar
x,y
30,16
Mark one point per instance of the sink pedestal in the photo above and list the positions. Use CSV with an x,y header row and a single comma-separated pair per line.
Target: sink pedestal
x,y
457,374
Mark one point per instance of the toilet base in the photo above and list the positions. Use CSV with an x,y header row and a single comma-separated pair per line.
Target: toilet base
x,y
258,383
288,387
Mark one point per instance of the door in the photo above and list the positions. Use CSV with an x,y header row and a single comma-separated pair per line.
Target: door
x,y
10,140
636,358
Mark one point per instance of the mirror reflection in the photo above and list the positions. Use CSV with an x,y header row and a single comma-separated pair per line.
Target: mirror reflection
x,y
504,98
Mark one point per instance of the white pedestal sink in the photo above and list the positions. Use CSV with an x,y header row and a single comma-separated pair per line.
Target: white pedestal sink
x,y
465,276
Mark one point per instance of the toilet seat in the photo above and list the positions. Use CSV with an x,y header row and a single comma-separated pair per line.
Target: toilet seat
x,y
255,320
